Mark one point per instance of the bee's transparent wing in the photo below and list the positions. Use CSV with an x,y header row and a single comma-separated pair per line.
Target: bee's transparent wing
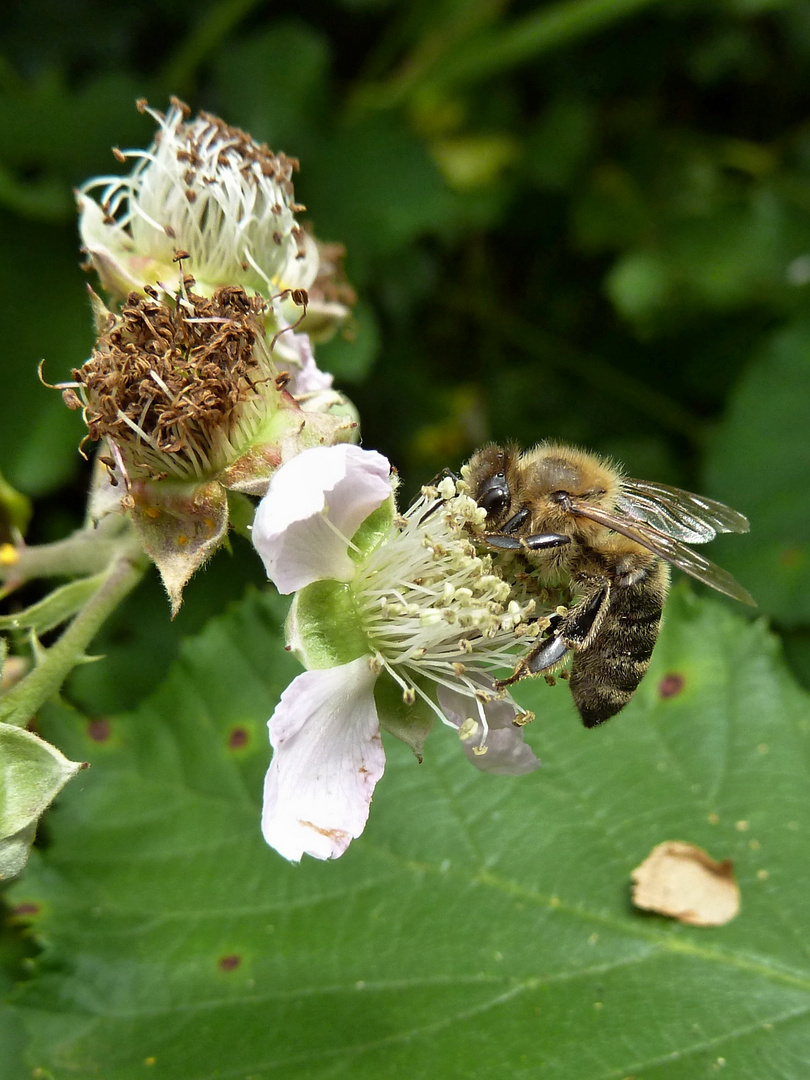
x,y
693,519
669,548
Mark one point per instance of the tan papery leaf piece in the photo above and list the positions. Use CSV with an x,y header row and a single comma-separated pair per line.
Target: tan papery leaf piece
x,y
681,880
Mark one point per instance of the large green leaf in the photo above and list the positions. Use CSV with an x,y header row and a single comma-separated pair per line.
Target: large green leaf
x,y
12,1036
759,463
481,927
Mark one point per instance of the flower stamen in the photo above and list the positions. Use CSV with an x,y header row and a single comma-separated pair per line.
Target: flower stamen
x,y
451,619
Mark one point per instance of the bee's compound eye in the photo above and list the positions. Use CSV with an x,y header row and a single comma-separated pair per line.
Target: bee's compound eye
x,y
494,495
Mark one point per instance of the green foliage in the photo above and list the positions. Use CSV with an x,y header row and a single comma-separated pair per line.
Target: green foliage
x,y
481,925
56,608
584,220
761,466
32,773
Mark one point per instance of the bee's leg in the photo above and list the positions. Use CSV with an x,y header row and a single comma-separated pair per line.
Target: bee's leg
x,y
540,541
571,631
543,656
581,623
440,476
515,521
537,542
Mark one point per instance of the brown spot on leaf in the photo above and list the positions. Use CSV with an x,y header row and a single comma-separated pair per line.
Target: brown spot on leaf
x,y
682,881
239,737
99,730
671,685
230,962
26,909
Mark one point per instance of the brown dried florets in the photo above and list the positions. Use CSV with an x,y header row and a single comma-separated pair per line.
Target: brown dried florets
x,y
170,378
330,284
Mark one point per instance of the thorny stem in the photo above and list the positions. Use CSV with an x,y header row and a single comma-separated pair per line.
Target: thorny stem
x,y
21,702
87,551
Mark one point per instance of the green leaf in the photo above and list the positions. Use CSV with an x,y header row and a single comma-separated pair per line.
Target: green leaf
x,y
351,353
276,85
494,50
759,464
378,188
56,608
560,142
12,1036
481,927
15,511
32,773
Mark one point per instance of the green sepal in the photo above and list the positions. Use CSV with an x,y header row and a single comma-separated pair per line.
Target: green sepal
x,y
179,526
241,511
373,531
32,773
287,431
410,724
323,629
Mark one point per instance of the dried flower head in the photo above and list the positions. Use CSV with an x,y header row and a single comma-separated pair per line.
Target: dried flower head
x,y
181,388
188,398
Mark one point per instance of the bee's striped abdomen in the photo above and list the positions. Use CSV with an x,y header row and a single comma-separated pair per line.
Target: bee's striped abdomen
x,y
605,675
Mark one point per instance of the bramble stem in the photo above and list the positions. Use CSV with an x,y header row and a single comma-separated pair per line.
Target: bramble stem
x,y
54,664
86,552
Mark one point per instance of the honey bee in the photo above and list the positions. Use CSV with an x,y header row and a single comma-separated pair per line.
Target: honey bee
x,y
604,541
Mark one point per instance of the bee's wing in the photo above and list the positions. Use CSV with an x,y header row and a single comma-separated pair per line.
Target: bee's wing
x,y
669,548
694,519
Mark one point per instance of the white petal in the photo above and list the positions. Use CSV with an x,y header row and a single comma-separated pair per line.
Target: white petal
x,y
343,484
507,754
109,247
327,758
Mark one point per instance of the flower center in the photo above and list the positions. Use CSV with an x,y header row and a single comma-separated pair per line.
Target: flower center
x,y
433,609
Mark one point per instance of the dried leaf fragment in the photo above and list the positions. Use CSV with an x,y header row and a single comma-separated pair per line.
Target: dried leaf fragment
x,y
684,882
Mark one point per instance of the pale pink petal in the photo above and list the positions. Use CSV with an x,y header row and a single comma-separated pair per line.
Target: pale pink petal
x,y
306,376
327,758
507,754
343,484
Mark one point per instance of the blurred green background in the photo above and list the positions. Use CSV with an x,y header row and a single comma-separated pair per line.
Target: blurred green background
x,y
587,221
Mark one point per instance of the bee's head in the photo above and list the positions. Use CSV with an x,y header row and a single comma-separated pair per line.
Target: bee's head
x,y
490,475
